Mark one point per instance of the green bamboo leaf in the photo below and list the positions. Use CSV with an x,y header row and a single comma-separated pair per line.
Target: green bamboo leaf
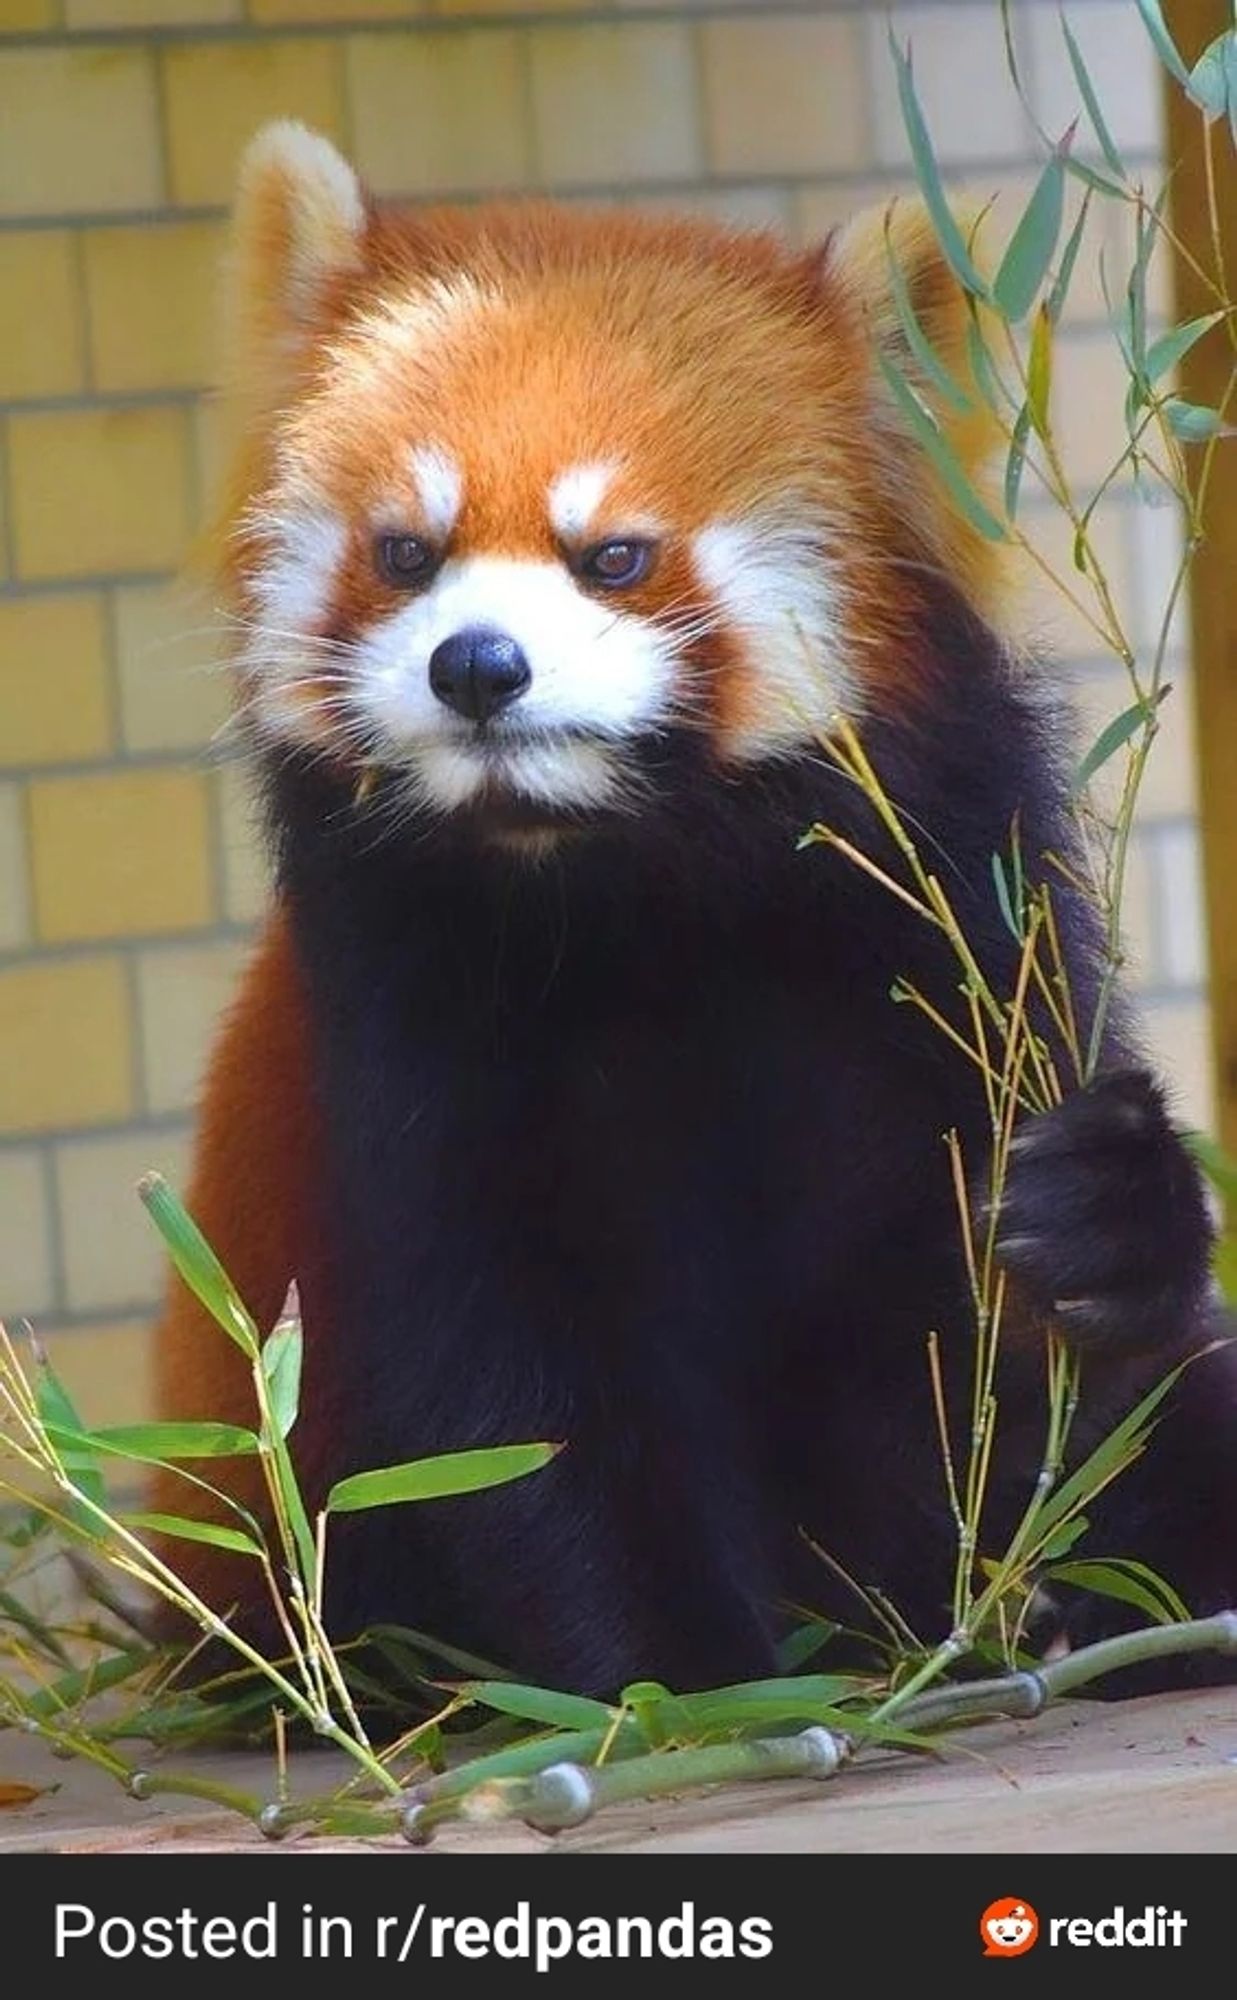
x,y
941,453
1166,48
1065,271
281,1365
1030,249
1113,735
921,348
1164,353
1208,84
1015,462
1111,1578
1224,1265
152,1443
438,1478
1012,922
1063,1540
1039,370
1118,1449
537,1704
184,1530
802,1645
928,175
60,1419
197,1263
1219,1166
1087,92
1193,423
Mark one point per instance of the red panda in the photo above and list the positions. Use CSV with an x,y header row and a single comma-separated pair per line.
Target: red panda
x,y
565,1085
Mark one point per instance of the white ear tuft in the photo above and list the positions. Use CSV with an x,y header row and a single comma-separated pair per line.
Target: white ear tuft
x,y
300,217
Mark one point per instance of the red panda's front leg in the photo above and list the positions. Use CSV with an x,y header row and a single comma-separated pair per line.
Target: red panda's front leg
x,y
255,1193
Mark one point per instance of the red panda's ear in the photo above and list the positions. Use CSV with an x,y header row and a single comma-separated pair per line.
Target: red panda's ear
x,y
298,225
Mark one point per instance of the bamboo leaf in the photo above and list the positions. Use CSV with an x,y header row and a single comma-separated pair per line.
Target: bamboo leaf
x,y
922,350
1219,1166
184,1530
1063,1540
1193,423
1122,1444
1065,271
1015,462
545,1705
197,1263
60,1418
1208,84
1012,923
1113,735
1030,250
1164,353
1039,370
1166,48
928,175
941,453
438,1478
152,1443
1087,92
281,1365
1111,1579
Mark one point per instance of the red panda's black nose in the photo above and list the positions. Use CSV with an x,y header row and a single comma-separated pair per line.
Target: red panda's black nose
x,y
476,672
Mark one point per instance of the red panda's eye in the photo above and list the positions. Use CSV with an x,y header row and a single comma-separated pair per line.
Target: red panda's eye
x,y
405,560
618,564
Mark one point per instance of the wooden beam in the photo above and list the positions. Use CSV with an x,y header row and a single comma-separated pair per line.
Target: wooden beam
x,y
1213,583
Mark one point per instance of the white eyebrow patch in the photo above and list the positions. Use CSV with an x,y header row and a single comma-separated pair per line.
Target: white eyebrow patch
x,y
440,487
575,496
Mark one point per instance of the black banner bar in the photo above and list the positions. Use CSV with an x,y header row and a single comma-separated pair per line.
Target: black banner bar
x,y
523,1922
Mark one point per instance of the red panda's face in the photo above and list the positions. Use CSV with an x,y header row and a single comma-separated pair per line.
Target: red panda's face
x,y
543,489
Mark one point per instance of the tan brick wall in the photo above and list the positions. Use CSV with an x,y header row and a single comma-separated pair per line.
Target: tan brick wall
x,y
128,871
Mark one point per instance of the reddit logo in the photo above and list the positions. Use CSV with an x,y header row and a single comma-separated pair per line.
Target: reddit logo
x,y
1008,1928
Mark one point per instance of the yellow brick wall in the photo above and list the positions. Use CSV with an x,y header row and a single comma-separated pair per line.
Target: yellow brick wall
x,y
128,872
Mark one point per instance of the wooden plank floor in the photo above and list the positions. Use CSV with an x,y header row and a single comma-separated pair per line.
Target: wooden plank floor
x,y
1151,1776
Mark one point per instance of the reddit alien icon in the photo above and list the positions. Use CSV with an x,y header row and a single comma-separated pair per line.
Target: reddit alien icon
x,y
1008,1928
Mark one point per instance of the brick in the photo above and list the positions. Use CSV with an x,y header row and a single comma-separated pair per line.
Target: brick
x,y
64,1029
439,111
55,704
1182,925
113,1256
27,1282
14,870
615,103
1156,538
182,991
1178,1036
153,297
348,12
1139,924
150,13
1120,61
120,853
218,93
962,83
98,490
1089,381
174,691
106,1369
80,131
246,872
1044,613
784,95
1169,786
42,351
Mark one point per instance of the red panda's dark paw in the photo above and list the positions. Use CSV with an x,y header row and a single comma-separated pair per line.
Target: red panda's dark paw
x,y
1104,1226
